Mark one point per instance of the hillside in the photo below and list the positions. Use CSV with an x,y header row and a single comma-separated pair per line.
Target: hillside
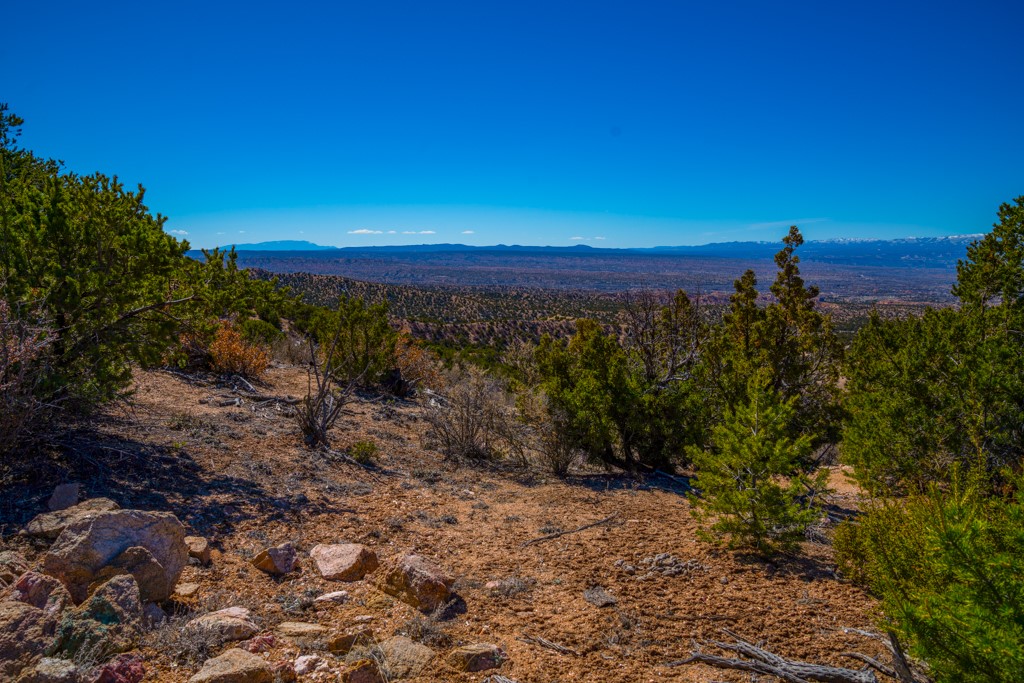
x,y
238,476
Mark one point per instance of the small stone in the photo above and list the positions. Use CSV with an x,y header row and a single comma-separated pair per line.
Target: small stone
x,y
362,671
599,597
344,561
363,619
418,582
333,597
478,657
224,625
234,666
405,658
307,664
276,561
199,549
64,496
284,671
300,630
724,580
342,643
126,668
53,670
153,615
186,590
265,642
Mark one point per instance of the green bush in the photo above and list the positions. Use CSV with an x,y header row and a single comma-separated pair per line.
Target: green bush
x,y
361,336
363,452
259,332
946,565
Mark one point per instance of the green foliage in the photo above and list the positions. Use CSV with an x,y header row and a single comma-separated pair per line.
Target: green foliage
x,y
739,477
946,387
259,332
87,254
363,452
361,336
947,567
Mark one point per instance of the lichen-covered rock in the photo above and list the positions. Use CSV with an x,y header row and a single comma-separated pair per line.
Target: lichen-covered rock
x,y
223,625
477,657
234,666
49,525
26,633
418,582
110,621
148,545
53,670
344,561
276,561
41,591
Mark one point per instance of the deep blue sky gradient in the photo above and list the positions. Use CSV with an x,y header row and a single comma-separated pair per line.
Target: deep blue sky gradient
x,y
532,122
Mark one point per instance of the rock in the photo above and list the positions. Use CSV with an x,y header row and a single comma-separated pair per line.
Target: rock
x,y
12,565
344,561
110,621
234,666
186,590
49,525
599,597
417,581
342,643
223,625
276,561
265,642
41,591
405,658
337,597
53,670
148,545
478,657
26,634
64,496
198,548
363,671
307,664
300,630
126,668
284,671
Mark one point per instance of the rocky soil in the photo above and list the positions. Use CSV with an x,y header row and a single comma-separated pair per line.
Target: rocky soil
x,y
225,551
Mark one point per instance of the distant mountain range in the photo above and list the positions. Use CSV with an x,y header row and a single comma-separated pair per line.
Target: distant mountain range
x,y
910,252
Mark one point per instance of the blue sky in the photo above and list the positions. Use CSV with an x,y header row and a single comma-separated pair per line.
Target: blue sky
x,y
532,122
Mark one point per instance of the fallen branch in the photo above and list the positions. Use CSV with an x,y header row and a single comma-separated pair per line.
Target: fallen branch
x,y
763,662
558,534
544,642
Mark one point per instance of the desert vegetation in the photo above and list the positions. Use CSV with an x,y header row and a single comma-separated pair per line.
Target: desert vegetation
x,y
737,407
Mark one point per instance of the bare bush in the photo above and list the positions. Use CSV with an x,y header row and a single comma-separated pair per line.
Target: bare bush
x,y
22,363
326,397
475,418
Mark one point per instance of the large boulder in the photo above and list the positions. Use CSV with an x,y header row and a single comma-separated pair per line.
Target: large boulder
x,y
109,622
49,525
417,581
64,496
148,545
223,625
26,633
234,666
344,561
276,561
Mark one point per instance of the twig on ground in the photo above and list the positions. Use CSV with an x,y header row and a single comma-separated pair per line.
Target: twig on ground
x,y
558,534
544,642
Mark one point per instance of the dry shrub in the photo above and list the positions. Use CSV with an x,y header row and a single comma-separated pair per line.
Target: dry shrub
x,y
229,353
22,363
475,418
418,366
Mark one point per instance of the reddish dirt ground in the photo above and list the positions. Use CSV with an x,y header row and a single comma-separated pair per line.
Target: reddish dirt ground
x,y
240,476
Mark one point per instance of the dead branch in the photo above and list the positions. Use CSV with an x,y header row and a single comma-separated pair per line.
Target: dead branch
x,y
544,642
763,662
558,534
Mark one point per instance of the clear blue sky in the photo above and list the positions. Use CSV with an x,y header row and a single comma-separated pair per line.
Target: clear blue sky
x,y
532,122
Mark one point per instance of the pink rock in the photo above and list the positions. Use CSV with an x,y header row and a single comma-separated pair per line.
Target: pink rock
x,y
278,560
126,668
344,561
41,591
264,642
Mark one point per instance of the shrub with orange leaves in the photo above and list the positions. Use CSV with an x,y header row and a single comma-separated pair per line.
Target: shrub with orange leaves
x,y
229,353
419,366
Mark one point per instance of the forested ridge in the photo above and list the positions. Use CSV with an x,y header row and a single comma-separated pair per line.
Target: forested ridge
x,y
745,402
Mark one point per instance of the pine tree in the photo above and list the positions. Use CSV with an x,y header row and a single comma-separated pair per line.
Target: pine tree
x,y
740,478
